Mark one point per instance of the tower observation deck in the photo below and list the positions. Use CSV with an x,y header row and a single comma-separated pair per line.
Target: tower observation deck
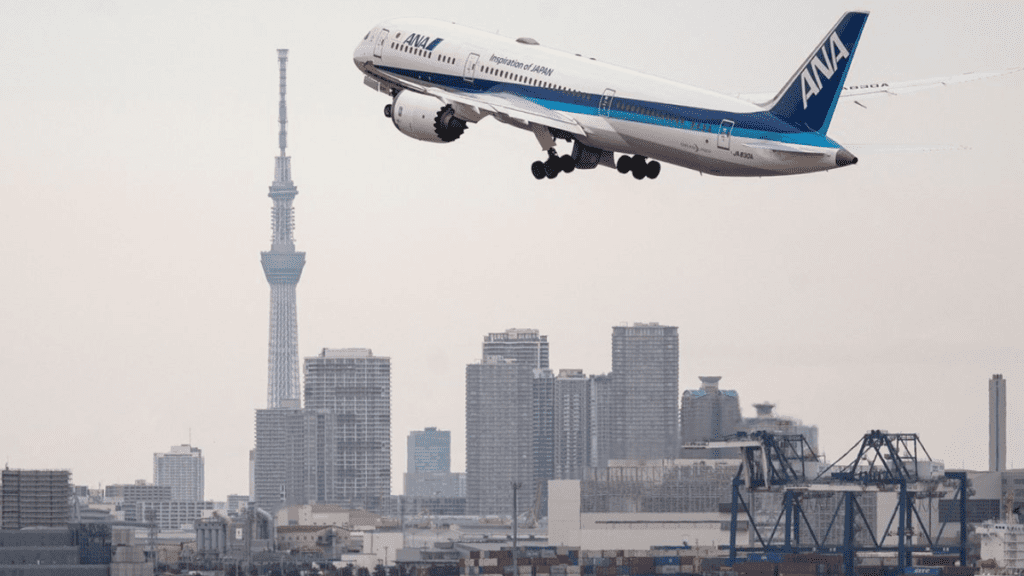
x,y
283,267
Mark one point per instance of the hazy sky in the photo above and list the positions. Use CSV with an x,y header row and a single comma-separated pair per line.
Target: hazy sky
x,y
136,150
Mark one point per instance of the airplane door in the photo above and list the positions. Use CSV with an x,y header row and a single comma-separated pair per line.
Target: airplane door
x,y
605,106
470,72
378,48
725,134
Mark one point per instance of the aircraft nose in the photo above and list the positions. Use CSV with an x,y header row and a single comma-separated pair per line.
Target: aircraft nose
x,y
845,158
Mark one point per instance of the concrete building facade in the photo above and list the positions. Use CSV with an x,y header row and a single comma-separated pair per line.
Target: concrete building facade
x,y
348,428
34,499
643,394
182,469
571,424
499,433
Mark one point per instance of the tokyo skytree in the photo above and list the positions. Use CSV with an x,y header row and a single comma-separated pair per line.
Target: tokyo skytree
x,y
283,266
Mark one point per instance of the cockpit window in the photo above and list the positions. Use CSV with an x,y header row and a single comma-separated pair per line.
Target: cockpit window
x,y
367,35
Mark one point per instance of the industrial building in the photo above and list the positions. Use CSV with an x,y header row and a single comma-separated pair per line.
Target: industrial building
x,y
348,428
709,414
34,498
182,470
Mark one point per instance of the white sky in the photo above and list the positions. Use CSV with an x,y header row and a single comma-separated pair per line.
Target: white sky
x,y
136,150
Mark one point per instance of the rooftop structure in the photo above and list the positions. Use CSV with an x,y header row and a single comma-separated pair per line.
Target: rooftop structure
x,y
767,420
526,346
182,469
282,266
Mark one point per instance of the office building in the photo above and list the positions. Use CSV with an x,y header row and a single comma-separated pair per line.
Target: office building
x,y
141,490
429,450
643,395
571,424
34,499
709,413
526,346
348,428
997,423
182,469
499,434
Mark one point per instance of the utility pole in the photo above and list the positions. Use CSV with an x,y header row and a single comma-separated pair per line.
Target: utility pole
x,y
515,527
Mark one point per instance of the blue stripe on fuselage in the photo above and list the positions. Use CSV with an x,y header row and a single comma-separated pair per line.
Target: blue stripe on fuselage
x,y
761,125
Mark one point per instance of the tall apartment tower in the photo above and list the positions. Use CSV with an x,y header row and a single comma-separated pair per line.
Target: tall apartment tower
x,y
283,266
526,346
278,461
644,392
348,428
571,424
997,423
182,469
709,413
499,433
34,498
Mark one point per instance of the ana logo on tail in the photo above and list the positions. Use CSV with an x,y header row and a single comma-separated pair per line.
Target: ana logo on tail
x,y
823,63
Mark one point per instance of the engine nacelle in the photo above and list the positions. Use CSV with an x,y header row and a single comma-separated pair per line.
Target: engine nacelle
x,y
425,117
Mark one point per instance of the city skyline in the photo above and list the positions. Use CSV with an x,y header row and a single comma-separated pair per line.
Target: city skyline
x,y
136,163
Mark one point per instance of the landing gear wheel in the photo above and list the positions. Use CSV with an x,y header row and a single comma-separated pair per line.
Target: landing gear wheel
x,y
639,167
551,168
538,170
566,163
653,169
387,111
623,164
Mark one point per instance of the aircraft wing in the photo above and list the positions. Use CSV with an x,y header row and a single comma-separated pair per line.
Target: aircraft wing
x,y
858,92
505,106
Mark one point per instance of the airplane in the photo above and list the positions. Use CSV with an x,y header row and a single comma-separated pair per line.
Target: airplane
x,y
442,77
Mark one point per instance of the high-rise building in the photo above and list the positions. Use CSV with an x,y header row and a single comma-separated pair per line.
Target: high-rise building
x,y
526,346
348,428
572,428
278,461
34,498
709,413
643,393
182,470
429,473
429,450
499,433
282,266
997,423
543,436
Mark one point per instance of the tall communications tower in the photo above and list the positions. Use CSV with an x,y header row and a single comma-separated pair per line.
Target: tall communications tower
x,y
283,267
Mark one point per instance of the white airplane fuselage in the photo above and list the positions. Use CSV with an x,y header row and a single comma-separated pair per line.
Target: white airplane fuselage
x,y
616,109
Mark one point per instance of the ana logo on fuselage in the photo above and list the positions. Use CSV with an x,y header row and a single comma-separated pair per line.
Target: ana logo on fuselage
x,y
421,41
825,63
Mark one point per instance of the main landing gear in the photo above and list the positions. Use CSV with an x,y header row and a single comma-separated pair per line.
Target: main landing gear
x,y
553,165
639,166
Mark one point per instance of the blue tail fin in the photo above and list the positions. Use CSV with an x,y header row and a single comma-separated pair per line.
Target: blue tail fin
x,y
810,96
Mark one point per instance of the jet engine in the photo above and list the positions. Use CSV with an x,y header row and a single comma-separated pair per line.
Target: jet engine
x,y
425,117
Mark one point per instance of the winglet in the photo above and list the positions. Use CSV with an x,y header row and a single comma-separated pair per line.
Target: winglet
x,y
809,98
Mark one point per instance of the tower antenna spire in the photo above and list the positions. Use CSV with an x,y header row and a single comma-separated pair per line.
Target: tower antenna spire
x,y
282,266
